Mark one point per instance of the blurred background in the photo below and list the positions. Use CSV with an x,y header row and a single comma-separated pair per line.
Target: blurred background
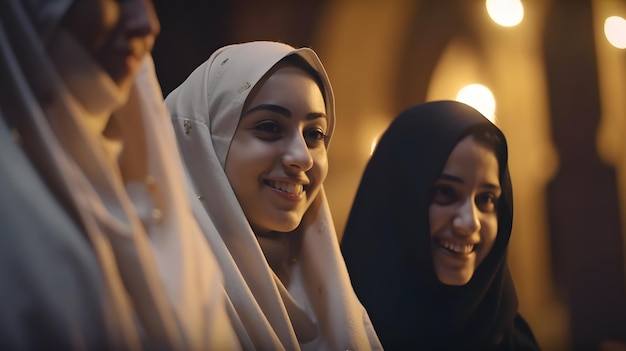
x,y
551,73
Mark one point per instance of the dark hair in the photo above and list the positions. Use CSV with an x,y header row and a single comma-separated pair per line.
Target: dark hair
x,y
487,137
492,139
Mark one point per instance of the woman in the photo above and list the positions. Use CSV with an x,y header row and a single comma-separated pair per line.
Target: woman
x,y
426,239
99,248
253,124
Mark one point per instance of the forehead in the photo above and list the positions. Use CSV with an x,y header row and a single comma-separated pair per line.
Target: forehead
x,y
473,160
287,84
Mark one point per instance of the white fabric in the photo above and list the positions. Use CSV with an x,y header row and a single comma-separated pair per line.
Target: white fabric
x,y
123,187
318,310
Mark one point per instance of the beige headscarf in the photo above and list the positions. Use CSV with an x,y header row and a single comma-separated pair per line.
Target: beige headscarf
x,y
110,158
318,310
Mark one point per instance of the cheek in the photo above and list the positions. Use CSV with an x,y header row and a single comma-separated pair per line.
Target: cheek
x,y
238,164
247,159
92,22
320,164
110,16
437,218
489,232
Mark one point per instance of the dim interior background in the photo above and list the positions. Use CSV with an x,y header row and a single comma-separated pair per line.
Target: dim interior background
x,y
556,87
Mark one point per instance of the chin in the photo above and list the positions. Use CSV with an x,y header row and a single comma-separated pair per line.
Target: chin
x,y
125,84
287,227
453,281
280,224
288,224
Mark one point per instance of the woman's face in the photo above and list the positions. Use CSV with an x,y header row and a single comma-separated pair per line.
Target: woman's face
x,y
117,34
277,159
462,215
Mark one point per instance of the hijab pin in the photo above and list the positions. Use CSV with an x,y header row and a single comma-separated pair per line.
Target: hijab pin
x,y
245,87
187,126
156,215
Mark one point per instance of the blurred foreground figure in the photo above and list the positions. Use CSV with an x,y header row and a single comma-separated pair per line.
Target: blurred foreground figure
x,y
98,245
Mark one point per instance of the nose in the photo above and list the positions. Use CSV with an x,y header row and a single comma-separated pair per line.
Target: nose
x,y
140,18
466,220
297,155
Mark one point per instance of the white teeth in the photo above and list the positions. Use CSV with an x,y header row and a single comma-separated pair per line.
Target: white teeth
x,y
459,248
287,187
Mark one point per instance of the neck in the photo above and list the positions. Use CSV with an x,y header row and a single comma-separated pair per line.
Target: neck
x,y
282,251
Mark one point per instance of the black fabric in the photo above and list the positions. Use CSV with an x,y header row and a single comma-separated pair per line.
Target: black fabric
x,y
386,243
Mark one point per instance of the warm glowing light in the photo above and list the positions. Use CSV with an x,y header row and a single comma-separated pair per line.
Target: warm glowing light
x,y
479,97
373,146
507,13
615,31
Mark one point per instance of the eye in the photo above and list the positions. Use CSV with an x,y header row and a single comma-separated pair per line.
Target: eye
x,y
268,130
486,202
314,136
443,194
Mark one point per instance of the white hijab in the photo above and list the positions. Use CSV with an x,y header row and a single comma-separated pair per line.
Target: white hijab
x,y
111,161
318,310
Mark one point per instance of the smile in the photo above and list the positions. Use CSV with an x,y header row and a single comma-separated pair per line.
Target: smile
x,y
463,249
290,188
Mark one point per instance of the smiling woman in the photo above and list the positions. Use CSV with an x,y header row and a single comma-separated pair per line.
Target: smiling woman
x,y
463,214
426,239
277,161
253,124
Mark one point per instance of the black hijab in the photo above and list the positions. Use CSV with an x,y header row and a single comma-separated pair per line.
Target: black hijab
x,y
386,243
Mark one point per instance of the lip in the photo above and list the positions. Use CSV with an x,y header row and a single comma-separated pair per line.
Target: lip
x,y
125,58
463,251
272,184
132,63
288,196
132,53
121,63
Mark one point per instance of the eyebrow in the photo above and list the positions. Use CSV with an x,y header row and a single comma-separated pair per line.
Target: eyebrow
x,y
456,179
282,111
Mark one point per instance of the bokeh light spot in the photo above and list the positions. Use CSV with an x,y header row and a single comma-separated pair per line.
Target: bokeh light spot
x,y
507,13
615,31
479,97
